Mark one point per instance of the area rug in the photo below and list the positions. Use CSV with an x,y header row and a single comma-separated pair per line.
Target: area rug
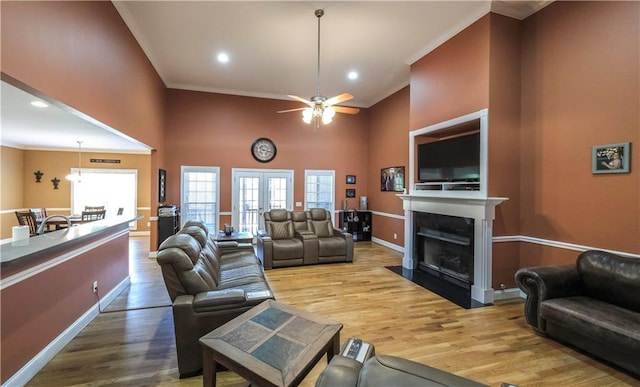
x,y
140,295
453,293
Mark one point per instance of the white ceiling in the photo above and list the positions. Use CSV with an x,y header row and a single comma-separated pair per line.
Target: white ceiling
x,y
273,50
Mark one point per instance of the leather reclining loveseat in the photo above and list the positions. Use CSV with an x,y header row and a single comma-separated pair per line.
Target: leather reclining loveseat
x,y
295,238
209,284
593,305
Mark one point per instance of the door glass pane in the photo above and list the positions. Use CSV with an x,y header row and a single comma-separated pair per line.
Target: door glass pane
x,y
248,204
277,193
199,196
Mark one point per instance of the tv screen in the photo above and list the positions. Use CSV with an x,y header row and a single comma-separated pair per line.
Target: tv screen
x,y
454,159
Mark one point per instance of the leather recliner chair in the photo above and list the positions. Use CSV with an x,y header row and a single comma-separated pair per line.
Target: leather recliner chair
x,y
384,371
334,245
280,245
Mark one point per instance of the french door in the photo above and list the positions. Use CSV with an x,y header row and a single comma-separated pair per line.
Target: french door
x,y
257,191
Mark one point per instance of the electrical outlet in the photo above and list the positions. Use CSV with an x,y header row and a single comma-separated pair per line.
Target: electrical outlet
x,y
95,286
395,236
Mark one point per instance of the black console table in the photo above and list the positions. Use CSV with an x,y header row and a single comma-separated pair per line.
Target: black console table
x,y
358,223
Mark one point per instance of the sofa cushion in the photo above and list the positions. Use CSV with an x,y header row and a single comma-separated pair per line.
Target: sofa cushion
x,y
334,246
281,230
299,220
287,249
611,278
322,228
601,321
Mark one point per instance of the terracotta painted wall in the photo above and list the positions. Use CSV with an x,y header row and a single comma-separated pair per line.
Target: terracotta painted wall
x,y
453,79
388,147
206,129
580,88
82,56
11,192
504,142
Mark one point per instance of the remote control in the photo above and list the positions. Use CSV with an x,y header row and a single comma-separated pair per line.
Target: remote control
x,y
354,348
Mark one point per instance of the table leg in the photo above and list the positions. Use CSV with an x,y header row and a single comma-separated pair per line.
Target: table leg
x,y
208,368
334,349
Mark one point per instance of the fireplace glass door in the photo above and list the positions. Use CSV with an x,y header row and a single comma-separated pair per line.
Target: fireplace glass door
x,y
443,245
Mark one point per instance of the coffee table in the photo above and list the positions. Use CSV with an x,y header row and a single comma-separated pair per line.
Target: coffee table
x,y
240,237
273,344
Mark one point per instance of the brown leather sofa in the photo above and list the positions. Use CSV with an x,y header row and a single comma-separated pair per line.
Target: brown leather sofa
x,y
385,371
295,238
593,305
209,284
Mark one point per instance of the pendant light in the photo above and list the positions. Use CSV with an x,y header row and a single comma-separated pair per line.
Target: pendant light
x,y
77,177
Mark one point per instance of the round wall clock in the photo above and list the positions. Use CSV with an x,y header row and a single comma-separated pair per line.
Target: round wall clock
x,y
263,150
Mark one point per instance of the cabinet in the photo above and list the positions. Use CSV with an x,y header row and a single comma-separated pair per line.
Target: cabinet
x,y
168,222
358,223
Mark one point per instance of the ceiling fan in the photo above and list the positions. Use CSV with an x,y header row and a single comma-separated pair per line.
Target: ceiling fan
x,y
321,107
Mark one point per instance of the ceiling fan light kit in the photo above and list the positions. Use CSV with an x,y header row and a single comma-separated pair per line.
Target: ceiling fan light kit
x,y
320,108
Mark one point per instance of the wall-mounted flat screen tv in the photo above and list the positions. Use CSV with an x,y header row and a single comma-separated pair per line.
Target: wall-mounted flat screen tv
x,y
454,159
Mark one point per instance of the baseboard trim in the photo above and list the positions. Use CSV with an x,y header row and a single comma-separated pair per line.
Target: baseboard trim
x,y
390,245
508,294
29,370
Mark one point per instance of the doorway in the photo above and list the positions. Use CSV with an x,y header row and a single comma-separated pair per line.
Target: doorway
x,y
114,189
255,191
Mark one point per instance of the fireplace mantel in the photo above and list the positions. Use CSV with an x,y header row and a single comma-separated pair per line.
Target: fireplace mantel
x,y
482,210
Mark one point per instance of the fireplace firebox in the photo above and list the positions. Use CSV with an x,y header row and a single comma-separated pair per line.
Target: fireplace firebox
x,y
444,246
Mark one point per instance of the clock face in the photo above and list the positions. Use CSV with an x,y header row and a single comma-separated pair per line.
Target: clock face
x,y
263,150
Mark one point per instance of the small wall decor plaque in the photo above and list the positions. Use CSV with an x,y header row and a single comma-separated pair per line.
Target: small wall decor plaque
x,y
38,175
55,182
611,158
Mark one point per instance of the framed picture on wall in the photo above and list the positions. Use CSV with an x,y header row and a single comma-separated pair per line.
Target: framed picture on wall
x,y
162,186
351,193
392,179
611,158
351,179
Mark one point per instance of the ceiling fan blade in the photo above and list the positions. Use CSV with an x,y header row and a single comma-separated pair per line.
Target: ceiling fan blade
x,y
300,99
347,110
338,98
292,110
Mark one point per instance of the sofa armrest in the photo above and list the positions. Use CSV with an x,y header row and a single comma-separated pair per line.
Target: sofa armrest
x,y
342,371
264,250
349,238
218,299
545,282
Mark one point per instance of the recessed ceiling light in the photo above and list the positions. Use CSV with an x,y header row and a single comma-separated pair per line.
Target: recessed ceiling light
x,y
353,75
223,57
39,104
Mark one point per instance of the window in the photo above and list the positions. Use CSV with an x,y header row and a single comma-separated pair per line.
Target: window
x,y
200,195
319,190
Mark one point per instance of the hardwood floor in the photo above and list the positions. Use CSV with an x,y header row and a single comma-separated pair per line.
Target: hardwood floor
x,y
492,345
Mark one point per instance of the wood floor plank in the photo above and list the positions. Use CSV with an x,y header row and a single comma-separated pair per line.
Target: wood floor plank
x,y
492,345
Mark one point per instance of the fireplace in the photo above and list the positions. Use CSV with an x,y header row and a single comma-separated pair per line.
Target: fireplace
x,y
443,246
475,212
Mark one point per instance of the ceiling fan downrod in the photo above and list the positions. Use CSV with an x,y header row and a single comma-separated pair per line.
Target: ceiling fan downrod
x,y
319,13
